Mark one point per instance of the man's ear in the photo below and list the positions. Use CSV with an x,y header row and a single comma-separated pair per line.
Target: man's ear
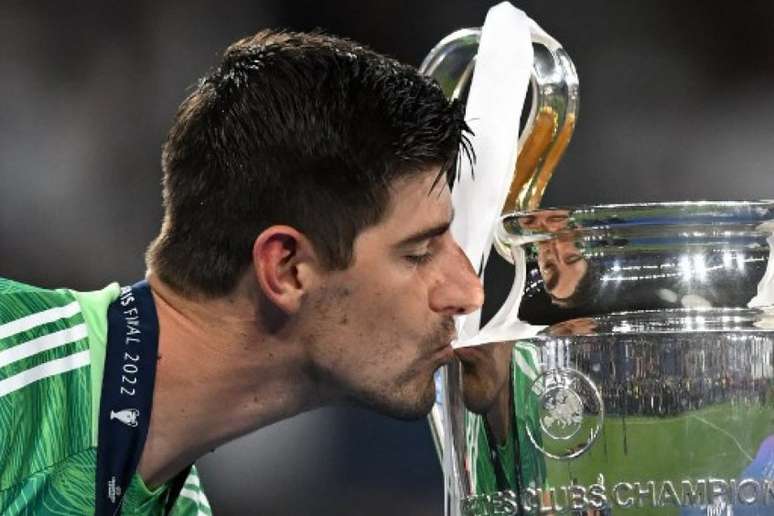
x,y
286,266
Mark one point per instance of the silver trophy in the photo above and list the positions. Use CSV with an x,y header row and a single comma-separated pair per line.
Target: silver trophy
x,y
646,386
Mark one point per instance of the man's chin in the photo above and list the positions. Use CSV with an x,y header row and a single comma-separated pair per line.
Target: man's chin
x,y
404,406
414,409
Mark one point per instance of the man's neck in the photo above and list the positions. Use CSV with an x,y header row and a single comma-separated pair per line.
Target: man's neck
x,y
219,376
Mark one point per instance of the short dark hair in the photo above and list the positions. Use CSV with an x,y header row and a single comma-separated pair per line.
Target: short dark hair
x,y
307,130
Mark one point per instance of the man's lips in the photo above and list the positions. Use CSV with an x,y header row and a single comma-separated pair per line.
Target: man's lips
x,y
447,341
445,353
446,350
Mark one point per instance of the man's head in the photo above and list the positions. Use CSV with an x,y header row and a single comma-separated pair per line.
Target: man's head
x,y
305,130
305,163
564,268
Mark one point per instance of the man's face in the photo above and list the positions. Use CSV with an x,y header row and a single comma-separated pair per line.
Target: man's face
x,y
561,263
381,328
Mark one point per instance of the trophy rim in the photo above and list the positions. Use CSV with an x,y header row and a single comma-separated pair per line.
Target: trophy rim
x,y
710,320
757,203
752,215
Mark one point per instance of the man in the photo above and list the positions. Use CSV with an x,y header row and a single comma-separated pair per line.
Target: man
x,y
304,259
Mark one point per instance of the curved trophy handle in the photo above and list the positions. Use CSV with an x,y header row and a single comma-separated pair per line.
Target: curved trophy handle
x,y
551,121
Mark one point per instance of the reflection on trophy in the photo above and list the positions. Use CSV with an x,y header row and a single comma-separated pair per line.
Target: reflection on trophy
x,y
658,400
562,266
648,386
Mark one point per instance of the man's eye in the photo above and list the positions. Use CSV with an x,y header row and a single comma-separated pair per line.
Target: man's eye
x,y
419,259
573,258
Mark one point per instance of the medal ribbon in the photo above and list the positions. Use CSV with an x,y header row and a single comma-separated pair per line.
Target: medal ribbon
x,y
127,396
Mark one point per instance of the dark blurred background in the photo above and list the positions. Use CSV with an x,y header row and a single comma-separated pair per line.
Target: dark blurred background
x,y
677,102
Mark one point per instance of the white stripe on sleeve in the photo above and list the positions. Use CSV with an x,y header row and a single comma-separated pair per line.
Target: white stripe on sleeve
x,y
31,321
44,343
54,367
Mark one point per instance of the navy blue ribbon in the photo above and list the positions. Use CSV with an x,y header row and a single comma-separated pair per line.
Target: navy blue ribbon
x,y
127,396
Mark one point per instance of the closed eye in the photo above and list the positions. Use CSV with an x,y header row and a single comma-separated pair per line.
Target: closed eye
x,y
572,258
419,259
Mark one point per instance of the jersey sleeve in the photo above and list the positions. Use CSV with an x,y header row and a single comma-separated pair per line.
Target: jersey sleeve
x,y
45,402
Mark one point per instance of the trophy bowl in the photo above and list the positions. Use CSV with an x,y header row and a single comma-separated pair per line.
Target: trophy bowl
x,y
638,378
602,259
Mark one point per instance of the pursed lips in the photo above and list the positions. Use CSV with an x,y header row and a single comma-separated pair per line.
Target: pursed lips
x,y
446,351
448,340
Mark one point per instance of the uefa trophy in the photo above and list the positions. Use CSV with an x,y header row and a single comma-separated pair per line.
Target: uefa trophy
x,y
639,375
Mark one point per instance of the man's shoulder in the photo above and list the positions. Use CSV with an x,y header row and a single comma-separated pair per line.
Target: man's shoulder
x,y
42,334
34,320
20,299
39,328
45,385
9,286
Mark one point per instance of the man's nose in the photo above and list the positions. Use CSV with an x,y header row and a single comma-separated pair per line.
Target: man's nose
x,y
459,291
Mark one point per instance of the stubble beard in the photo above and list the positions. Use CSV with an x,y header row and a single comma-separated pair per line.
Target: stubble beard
x,y
407,402
408,396
414,393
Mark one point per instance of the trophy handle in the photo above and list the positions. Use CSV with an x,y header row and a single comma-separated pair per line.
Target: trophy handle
x,y
552,116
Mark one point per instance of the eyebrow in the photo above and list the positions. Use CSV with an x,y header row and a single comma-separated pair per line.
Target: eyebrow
x,y
427,234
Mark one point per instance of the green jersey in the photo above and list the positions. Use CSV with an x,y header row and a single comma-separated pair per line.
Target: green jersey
x,y
52,353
